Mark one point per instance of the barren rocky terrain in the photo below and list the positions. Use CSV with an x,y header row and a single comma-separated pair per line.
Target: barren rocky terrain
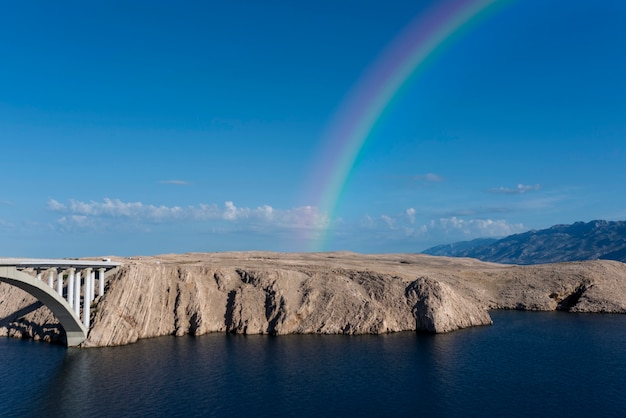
x,y
326,293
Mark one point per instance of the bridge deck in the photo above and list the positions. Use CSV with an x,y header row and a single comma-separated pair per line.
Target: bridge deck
x,y
44,263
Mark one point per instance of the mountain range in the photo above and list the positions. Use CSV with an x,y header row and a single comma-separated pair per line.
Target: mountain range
x,y
595,240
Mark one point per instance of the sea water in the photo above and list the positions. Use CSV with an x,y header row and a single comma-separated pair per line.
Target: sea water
x,y
525,364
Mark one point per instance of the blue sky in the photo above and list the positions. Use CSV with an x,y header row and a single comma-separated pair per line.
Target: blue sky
x,y
148,127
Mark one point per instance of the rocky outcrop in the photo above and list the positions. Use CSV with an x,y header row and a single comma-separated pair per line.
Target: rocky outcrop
x,y
331,293
438,308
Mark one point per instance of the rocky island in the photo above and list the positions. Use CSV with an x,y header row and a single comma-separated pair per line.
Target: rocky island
x,y
324,293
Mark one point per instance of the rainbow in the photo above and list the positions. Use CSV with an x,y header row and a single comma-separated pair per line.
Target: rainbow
x,y
374,92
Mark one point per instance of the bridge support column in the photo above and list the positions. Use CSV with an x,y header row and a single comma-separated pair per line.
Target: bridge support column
x,y
51,279
60,282
77,294
70,287
38,274
92,285
87,298
101,281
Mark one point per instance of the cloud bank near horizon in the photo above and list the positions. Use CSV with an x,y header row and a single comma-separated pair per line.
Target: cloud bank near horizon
x,y
82,214
443,227
409,226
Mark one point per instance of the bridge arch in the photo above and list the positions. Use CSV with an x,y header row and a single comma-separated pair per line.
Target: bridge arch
x,y
74,329
66,311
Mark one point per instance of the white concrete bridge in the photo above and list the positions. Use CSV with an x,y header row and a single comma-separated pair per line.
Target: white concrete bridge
x,y
59,284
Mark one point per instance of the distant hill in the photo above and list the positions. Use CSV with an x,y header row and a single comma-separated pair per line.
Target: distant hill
x,y
595,240
457,248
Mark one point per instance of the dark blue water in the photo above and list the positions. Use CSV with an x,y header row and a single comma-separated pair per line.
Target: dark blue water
x,y
526,364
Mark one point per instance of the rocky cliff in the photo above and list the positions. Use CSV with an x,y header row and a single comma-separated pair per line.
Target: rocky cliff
x,y
326,293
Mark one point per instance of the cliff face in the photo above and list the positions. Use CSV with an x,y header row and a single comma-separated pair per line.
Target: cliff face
x,y
150,300
269,293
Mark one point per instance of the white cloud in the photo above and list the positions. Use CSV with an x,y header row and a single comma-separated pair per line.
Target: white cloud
x,y
402,231
443,229
6,225
115,208
175,182
520,189
430,177
477,227
424,180
93,213
55,206
80,221
388,220
410,213
231,212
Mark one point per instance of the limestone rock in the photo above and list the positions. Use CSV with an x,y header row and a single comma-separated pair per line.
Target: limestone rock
x,y
438,308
